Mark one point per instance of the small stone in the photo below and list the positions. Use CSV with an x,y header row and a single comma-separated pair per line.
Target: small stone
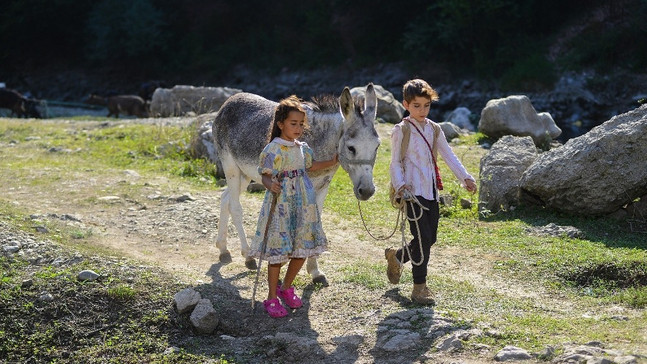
x,y
27,283
87,275
46,297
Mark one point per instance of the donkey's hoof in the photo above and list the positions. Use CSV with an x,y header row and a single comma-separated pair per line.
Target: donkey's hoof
x,y
321,280
250,263
225,257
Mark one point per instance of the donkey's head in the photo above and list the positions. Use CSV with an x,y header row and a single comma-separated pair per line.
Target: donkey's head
x,y
359,141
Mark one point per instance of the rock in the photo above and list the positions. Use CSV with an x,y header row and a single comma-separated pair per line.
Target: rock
x,y
204,318
450,344
202,146
450,130
501,170
182,100
87,275
186,300
172,350
10,249
461,118
553,229
512,353
401,341
515,115
46,297
109,198
182,198
388,108
594,174
255,187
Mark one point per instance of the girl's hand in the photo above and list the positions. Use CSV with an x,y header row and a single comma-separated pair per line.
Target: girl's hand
x,y
470,185
276,186
271,184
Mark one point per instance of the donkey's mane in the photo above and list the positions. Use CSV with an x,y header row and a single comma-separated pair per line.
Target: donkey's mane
x,y
330,103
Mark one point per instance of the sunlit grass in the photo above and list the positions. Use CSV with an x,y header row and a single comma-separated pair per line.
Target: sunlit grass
x,y
46,155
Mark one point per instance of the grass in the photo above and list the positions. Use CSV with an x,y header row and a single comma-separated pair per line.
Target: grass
x,y
105,321
606,267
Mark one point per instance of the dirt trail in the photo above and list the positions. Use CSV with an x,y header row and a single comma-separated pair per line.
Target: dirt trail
x,y
174,226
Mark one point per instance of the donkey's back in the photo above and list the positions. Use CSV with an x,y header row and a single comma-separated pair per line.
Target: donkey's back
x,y
240,130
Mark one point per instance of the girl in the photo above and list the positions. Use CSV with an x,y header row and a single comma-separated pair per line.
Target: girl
x,y
415,176
294,232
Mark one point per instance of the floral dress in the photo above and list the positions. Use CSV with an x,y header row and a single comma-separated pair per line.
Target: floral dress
x,y
295,229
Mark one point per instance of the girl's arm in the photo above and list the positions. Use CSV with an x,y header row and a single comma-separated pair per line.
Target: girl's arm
x,y
316,165
271,183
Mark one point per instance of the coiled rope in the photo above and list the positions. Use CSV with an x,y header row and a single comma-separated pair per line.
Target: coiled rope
x,y
401,205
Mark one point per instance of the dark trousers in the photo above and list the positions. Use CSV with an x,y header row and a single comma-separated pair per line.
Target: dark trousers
x,y
428,225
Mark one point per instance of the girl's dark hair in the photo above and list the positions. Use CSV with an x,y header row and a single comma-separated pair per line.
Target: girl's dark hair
x,y
281,112
418,88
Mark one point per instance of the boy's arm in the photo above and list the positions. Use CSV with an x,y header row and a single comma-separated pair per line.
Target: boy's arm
x,y
455,165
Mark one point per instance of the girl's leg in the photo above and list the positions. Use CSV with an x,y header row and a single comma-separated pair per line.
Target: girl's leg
x,y
273,271
293,269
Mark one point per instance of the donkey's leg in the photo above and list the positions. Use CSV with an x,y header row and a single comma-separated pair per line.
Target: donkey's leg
x,y
312,267
221,240
232,174
237,218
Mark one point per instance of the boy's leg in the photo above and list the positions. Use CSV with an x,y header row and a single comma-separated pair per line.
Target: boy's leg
x,y
428,225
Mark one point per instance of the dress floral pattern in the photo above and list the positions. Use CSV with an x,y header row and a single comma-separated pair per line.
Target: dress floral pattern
x,y
295,229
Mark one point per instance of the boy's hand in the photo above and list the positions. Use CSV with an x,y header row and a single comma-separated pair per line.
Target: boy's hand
x,y
470,185
407,195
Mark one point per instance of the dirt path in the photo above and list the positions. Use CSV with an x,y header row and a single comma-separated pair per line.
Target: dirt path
x,y
170,224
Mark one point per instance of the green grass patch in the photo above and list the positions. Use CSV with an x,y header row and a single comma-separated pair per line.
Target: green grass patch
x,y
105,321
370,276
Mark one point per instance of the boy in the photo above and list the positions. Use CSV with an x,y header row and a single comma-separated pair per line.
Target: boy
x,y
416,179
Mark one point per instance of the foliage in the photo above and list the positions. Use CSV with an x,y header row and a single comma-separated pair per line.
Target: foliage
x,y
124,30
609,43
490,38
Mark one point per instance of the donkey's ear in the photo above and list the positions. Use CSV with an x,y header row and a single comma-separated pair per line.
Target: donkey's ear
x,y
346,103
370,101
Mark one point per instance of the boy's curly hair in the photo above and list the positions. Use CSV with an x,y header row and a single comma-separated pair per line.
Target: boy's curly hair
x,y
418,88
281,112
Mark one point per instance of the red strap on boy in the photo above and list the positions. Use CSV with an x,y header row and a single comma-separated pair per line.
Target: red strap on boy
x,y
439,183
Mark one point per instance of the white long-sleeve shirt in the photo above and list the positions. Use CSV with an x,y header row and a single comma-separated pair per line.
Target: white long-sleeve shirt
x,y
417,169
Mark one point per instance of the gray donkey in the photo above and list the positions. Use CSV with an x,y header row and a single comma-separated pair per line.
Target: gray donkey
x,y
339,125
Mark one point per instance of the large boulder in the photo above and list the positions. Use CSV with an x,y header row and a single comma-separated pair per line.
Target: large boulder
x,y
388,108
500,171
451,130
182,100
461,118
515,115
202,145
596,173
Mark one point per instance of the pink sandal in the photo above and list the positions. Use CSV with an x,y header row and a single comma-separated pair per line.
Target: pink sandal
x,y
274,308
288,296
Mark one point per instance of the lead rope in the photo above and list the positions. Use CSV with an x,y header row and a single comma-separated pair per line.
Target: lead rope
x,y
400,219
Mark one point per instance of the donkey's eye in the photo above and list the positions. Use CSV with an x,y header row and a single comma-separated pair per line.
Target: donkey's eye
x,y
352,150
